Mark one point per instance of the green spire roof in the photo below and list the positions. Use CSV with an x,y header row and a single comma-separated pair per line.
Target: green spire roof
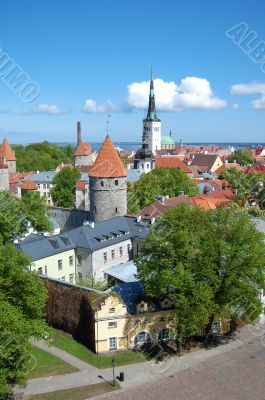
x,y
151,113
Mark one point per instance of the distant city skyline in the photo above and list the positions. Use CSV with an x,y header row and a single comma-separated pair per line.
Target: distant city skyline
x,y
94,60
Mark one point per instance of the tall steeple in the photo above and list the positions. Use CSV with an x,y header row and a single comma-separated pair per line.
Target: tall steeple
x,y
151,123
151,113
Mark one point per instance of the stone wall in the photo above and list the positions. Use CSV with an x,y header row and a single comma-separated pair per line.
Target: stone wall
x,y
108,198
69,218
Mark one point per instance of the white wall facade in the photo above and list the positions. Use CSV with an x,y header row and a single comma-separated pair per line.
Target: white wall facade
x,y
93,264
49,266
152,129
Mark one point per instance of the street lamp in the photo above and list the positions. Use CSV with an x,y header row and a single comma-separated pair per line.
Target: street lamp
x,y
113,373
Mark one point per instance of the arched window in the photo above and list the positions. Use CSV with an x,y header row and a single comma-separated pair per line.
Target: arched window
x,y
102,183
166,334
142,338
116,182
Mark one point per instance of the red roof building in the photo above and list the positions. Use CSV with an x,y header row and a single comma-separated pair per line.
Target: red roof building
x,y
172,162
108,164
7,151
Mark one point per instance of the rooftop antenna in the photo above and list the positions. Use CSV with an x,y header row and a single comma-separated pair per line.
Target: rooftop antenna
x,y
108,116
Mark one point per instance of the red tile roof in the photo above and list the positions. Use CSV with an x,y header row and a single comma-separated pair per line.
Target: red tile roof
x,y
81,184
7,151
107,164
83,149
28,185
227,166
171,162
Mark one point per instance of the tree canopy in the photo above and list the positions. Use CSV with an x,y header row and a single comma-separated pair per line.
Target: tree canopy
x,y
22,301
160,181
211,263
42,156
63,192
242,157
15,213
247,186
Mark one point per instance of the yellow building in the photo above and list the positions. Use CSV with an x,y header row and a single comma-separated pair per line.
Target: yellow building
x,y
126,319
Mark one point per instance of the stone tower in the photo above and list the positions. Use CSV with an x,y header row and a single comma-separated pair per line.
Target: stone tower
x,y
9,156
83,152
151,123
4,175
107,184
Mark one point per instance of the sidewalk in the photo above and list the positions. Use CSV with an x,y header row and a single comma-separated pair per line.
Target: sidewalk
x,y
135,374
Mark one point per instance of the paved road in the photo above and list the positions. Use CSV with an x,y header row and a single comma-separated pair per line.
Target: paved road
x,y
237,374
135,374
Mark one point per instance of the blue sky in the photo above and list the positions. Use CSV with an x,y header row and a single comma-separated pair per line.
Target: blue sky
x,y
79,50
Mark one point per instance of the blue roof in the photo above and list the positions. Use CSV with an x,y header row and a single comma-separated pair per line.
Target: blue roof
x,y
133,175
124,272
104,233
43,177
130,293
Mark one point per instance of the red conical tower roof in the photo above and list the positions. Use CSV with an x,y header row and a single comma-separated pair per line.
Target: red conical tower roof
x,y
83,149
7,151
108,164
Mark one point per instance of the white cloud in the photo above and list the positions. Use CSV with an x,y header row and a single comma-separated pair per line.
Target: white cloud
x,y
251,88
248,88
192,93
91,106
259,104
235,106
47,109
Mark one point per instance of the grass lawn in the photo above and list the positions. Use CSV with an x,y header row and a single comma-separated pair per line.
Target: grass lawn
x,y
81,393
45,364
65,342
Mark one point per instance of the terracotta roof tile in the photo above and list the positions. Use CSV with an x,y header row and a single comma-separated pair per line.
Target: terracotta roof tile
x,y
7,151
83,149
228,165
107,164
81,184
28,185
171,162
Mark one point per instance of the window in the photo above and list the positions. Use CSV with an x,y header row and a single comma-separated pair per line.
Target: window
x,y
116,182
105,257
40,270
102,183
44,194
112,343
147,166
121,251
79,259
128,248
112,324
111,310
49,194
45,270
44,186
116,210
71,260
48,186
71,278
60,264
112,254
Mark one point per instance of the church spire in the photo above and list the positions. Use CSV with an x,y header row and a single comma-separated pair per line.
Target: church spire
x,y
151,113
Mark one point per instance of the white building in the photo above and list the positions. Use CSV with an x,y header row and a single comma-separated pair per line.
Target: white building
x,y
86,251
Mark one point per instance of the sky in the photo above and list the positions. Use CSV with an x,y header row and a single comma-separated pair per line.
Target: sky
x,y
91,62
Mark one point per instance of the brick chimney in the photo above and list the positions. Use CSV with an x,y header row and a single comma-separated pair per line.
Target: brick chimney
x,y
78,133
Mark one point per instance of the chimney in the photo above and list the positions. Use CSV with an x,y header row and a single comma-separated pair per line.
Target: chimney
x,y
78,133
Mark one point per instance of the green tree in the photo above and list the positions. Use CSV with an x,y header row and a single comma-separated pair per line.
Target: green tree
x,y
63,192
160,181
210,263
42,156
35,210
22,301
11,217
242,157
